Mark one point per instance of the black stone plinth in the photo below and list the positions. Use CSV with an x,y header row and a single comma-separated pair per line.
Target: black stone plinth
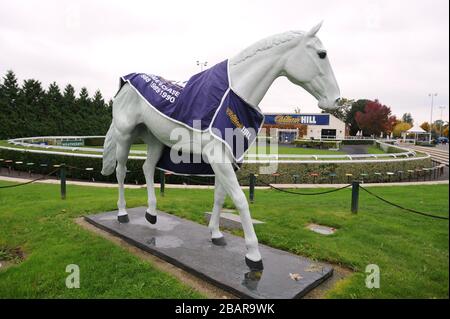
x,y
188,245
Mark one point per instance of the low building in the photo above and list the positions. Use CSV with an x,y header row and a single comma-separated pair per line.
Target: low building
x,y
289,127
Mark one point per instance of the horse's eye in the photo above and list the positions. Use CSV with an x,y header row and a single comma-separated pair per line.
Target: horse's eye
x,y
322,54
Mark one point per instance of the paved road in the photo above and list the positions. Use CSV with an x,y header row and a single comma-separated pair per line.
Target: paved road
x,y
438,154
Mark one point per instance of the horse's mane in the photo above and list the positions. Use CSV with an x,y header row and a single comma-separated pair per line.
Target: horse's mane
x,y
266,44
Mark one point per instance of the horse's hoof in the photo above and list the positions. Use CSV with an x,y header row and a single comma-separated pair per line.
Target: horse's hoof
x,y
254,265
219,241
150,218
123,219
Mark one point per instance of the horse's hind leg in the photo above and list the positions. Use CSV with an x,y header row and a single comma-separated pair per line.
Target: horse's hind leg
x,y
154,151
214,223
122,151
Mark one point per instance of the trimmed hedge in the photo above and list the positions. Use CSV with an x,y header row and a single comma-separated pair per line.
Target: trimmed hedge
x,y
136,175
317,144
358,142
287,171
94,141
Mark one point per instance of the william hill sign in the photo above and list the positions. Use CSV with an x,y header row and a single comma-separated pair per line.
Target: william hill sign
x,y
306,119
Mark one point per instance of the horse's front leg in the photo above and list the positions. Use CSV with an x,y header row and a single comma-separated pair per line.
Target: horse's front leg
x,y
226,176
154,151
214,223
122,151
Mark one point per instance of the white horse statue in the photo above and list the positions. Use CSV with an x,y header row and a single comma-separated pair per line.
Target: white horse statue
x,y
300,56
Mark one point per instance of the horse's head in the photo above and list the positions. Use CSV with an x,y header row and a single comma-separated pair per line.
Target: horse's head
x,y
308,66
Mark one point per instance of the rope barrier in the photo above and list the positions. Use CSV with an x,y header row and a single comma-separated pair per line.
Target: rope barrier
x,y
32,181
271,186
299,193
403,208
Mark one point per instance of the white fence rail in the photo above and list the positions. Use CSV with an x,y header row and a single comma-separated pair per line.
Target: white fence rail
x,y
252,158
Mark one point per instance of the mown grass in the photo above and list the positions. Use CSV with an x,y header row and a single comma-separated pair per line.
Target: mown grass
x,y
36,220
411,250
285,150
375,150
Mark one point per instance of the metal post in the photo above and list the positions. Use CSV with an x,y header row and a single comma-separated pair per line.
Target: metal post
x,y
252,188
62,175
162,181
432,95
440,129
355,196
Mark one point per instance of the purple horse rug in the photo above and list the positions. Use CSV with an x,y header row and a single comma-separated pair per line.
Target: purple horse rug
x,y
205,103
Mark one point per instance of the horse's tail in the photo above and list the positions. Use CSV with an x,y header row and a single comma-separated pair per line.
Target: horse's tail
x,y
109,152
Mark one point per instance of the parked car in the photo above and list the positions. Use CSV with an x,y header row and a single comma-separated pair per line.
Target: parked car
x,y
442,140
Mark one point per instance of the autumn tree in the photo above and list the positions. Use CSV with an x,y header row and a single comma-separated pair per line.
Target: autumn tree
x,y
375,119
401,127
425,126
350,120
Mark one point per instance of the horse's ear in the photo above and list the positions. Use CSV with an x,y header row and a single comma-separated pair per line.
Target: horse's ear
x,y
314,30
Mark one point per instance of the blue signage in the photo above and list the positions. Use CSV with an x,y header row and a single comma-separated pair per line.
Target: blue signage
x,y
289,119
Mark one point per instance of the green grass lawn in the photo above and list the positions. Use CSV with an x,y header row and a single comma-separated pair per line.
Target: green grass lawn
x,y
411,251
372,149
139,147
281,150
285,150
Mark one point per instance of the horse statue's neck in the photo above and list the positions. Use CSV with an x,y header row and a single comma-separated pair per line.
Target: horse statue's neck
x,y
253,70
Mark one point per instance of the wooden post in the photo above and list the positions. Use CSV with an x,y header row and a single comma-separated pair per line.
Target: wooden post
x,y
355,196
62,175
252,188
162,181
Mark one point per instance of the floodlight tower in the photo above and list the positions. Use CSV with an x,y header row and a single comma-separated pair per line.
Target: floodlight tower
x,y
202,64
432,95
442,108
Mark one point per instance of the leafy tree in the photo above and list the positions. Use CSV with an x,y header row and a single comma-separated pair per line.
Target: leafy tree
x,y
445,131
350,120
69,110
53,100
342,110
425,126
98,103
375,119
29,110
401,127
407,118
9,92
84,111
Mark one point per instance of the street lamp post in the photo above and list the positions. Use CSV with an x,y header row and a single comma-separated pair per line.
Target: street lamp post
x,y
202,64
432,95
442,108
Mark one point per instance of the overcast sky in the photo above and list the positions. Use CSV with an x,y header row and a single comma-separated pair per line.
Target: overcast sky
x,y
393,50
